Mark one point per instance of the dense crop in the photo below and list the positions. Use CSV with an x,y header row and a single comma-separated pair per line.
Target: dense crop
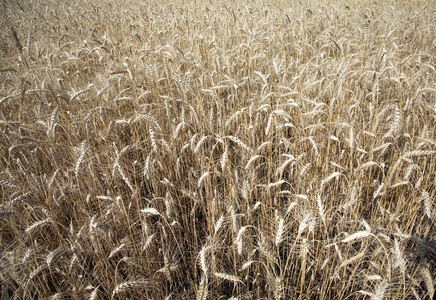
x,y
216,150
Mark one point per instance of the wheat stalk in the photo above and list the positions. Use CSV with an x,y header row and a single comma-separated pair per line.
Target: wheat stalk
x,y
228,277
128,285
426,201
280,231
356,236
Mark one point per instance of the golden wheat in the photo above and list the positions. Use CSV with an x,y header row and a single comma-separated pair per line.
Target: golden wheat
x,y
234,150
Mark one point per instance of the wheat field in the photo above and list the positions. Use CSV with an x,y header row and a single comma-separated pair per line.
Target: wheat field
x,y
217,149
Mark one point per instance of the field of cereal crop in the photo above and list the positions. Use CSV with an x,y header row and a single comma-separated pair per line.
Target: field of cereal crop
x,y
217,149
